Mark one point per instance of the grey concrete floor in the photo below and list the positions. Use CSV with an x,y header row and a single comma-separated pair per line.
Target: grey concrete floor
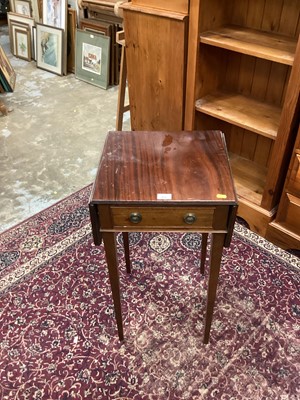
x,y
50,143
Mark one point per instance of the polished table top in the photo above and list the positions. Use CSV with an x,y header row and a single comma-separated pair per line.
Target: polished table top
x,y
152,168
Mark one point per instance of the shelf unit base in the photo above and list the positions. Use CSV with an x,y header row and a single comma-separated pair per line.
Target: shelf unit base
x,y
282,237
249,178
257,217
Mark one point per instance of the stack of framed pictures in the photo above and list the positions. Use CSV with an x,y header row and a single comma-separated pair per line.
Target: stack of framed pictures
x,y
46,31
109,30
21,35
52,37
7,73
29,8
102,13
38,30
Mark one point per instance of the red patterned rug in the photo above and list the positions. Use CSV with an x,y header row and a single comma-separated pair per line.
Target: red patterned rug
x,y
58,337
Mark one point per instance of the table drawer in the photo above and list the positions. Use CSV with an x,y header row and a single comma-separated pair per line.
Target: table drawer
x,y
160,217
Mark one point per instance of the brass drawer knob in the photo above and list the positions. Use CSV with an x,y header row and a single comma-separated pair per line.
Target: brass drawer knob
x,y
189,218
135,218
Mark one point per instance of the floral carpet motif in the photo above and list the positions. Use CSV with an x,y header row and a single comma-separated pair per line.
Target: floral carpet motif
x,y
58,337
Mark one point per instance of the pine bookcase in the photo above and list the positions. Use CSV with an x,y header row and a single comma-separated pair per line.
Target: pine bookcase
x,y
243,77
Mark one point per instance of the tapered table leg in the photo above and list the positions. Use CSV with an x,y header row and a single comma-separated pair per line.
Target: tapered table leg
x,y
203,252
126,250
109,239
215,263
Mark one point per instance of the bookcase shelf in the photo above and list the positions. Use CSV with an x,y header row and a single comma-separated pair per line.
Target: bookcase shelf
x,y
249,177
242,111
269,46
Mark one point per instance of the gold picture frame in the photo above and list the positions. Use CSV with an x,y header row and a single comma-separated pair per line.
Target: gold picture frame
x,y
71,39
23,44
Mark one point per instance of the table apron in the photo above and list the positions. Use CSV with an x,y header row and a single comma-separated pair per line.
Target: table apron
x,y
180,230
204,218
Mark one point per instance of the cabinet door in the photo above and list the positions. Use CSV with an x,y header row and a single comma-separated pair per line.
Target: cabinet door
x,y
155,52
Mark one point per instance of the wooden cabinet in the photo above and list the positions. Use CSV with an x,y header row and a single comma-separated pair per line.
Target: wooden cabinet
x,y
155,40
180,6
243,77
285,229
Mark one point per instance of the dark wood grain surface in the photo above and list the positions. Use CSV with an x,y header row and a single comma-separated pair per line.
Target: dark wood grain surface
x,y
159,167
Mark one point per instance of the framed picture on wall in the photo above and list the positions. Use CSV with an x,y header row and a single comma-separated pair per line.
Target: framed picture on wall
x,y
92,58
49,44
23,44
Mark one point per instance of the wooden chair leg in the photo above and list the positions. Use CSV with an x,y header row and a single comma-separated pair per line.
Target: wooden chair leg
x,y
203,252
126,249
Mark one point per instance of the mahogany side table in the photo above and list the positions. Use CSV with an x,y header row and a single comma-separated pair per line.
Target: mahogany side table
x,y
164,181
